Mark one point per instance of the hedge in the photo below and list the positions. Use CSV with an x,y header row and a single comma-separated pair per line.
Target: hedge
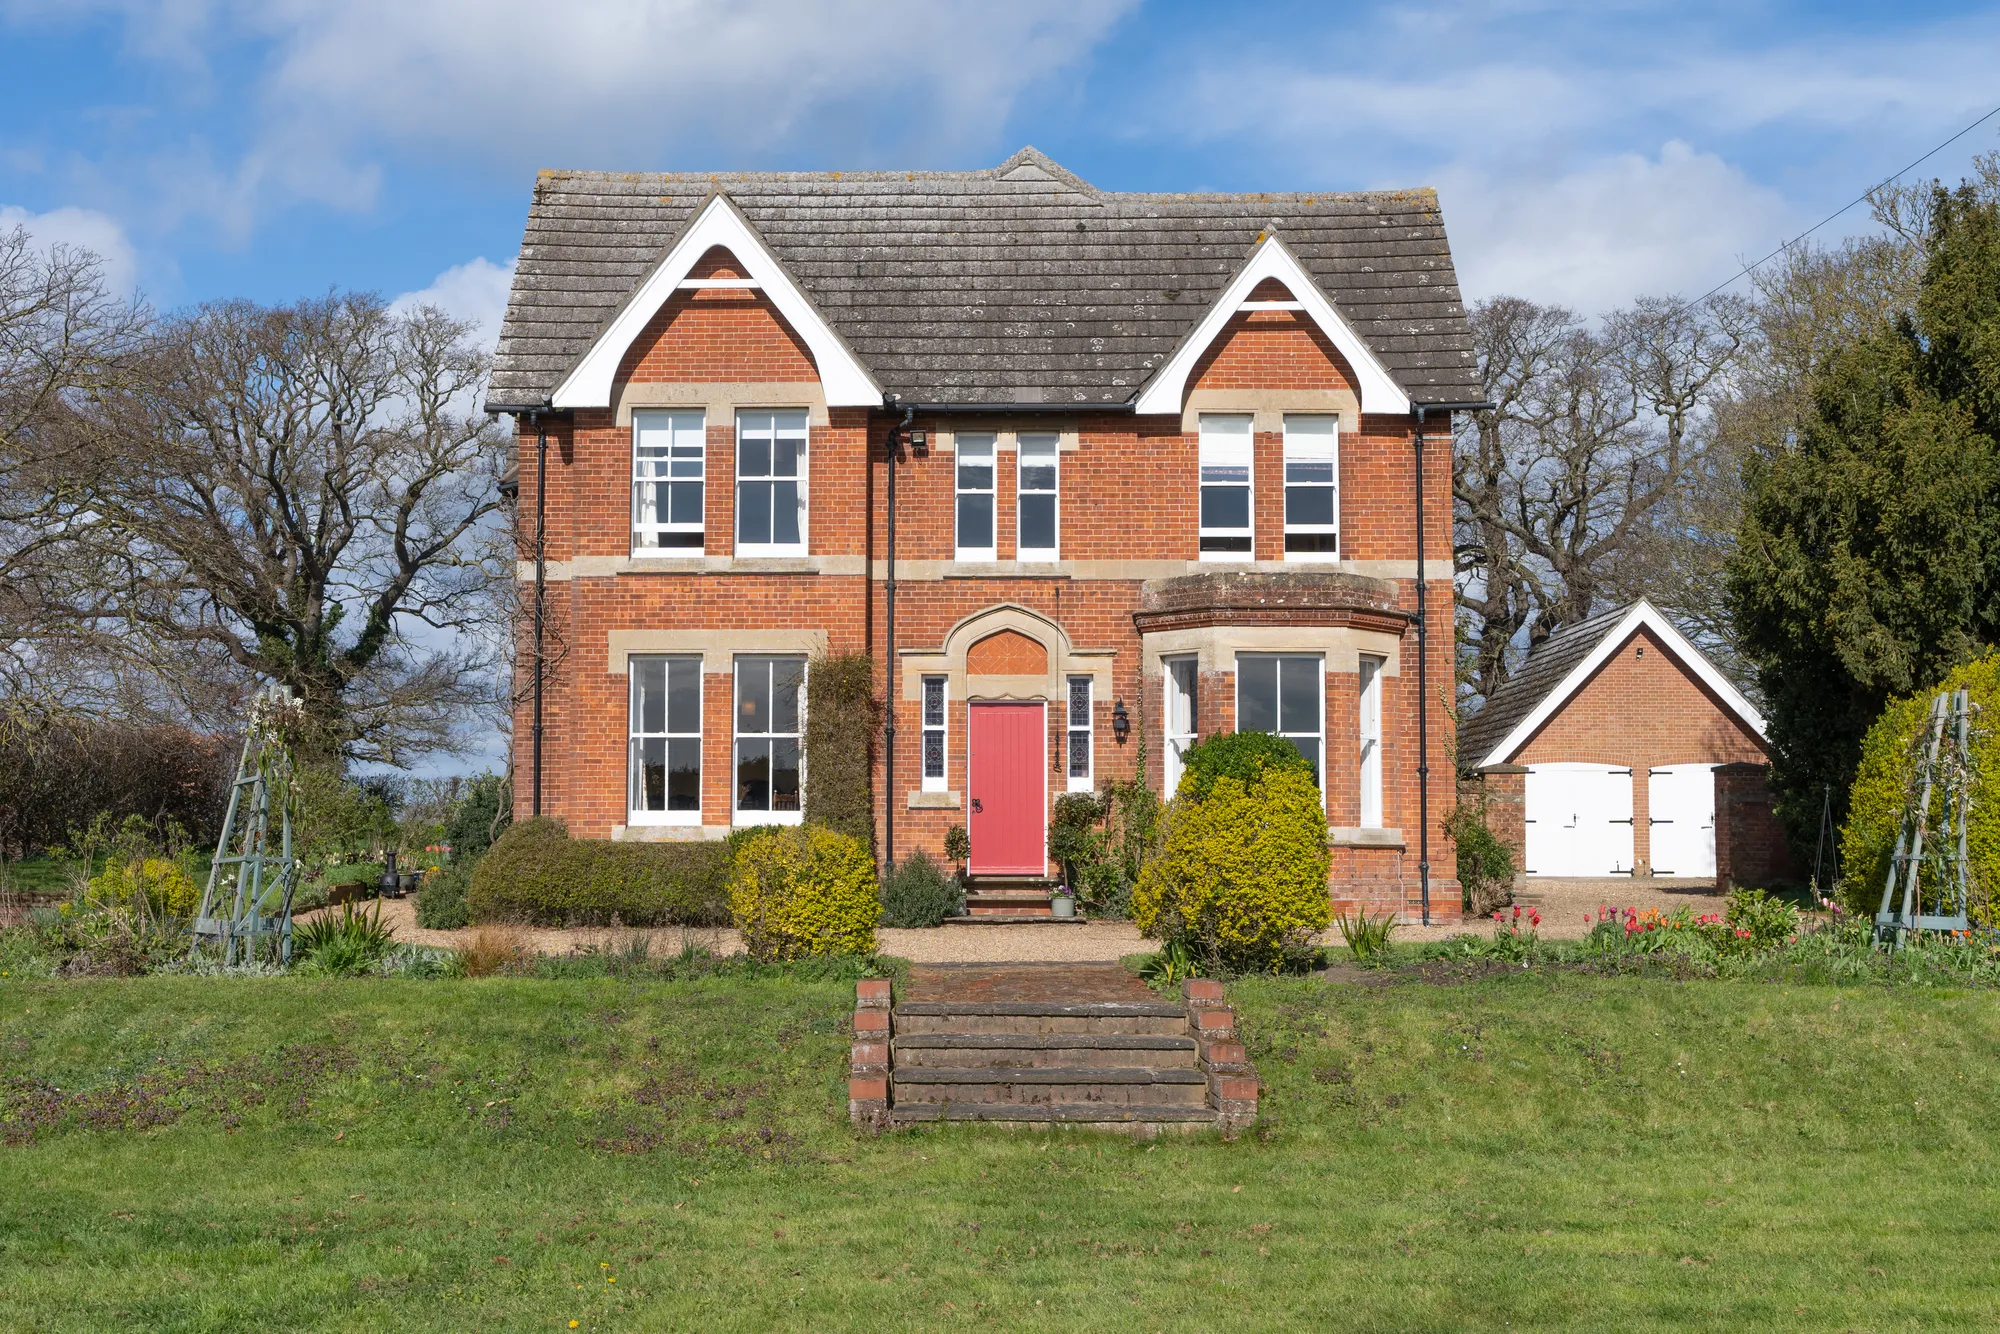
x,y
841,721
1875,803
538,875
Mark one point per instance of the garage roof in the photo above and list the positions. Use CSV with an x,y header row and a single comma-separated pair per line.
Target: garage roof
x,y
1562,664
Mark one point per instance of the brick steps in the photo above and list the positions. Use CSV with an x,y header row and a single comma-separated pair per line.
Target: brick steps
x,y
1132,1064
1012,897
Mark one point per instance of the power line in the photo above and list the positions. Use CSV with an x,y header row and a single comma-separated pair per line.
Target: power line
x,y
1844,207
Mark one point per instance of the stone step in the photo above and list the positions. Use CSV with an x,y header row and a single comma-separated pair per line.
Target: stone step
x,y
1078,1114
1040,1018
1001,1051
1053,1085
1011,918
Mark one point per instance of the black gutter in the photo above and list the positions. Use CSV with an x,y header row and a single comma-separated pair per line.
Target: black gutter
x,y
1424,657
995,409
896,430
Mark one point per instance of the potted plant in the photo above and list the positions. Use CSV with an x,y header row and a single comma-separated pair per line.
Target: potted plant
x,y
1063,901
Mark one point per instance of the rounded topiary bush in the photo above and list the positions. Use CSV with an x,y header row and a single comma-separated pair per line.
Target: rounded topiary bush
x,y
1875,802
919,893
804,891
1242,879
1240,755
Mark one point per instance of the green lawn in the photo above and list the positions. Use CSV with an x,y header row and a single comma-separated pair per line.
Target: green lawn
x,y
508,1154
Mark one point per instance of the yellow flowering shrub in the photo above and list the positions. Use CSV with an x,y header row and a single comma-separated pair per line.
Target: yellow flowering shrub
x,y
164,886
1242,880
1875,802
800,892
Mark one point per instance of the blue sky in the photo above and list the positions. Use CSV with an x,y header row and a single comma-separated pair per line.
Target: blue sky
x,y
1585,152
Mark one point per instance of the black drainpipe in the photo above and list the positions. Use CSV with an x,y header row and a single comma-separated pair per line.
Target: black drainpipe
x,y
896,430
1424,660
541,586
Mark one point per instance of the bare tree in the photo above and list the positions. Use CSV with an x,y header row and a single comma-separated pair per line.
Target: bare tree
x,y
66,343
303,494
1567,491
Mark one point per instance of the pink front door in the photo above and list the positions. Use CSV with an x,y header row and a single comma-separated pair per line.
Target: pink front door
x,y
1009,792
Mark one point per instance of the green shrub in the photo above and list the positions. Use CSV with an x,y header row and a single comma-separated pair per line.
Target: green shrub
x,y
154,883
441,903
1243,756
1485,864
1875,803
804,891
344,945
918,893
478,818
537,874
841,722
957,844
1074,838
1242,879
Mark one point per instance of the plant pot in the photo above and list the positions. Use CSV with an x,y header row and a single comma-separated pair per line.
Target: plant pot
x,y
1063,905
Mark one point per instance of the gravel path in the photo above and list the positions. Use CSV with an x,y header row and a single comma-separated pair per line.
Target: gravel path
x,y
1562,903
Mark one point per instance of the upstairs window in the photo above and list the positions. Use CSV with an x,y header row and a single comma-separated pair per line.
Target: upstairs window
x,y
1284,695
666,741
771,483
933,733
668,467
1079,734
1037,498
1312,481
1225,486
770,706
975,497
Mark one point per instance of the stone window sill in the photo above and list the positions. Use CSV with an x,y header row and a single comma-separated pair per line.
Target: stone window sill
x,y
1351,837
934,801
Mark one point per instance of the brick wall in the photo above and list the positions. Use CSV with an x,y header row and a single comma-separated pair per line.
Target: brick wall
x,y
1750,844
1128,493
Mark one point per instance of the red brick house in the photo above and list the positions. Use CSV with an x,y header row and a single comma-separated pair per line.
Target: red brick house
x,y
1146,467
1618,749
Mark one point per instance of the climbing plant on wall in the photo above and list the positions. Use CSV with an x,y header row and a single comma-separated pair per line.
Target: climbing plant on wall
x,y
842,716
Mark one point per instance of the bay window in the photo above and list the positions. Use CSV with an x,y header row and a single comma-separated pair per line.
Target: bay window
x,y
1284,695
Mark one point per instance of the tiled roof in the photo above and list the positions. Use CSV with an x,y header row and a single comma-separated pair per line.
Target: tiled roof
x,y
1017,284
1548,665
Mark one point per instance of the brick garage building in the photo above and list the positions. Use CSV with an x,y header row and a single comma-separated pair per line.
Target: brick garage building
x,y
1619,750
1153,458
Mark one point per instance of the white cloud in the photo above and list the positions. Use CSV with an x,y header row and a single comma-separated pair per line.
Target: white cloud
x,y
1615,228
475,292
81,229
646,84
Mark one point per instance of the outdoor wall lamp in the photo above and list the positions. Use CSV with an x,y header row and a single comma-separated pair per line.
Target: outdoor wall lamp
x,y
1121,722
920,443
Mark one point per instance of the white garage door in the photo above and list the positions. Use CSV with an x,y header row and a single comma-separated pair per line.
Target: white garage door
x,y
1579,820
1680,803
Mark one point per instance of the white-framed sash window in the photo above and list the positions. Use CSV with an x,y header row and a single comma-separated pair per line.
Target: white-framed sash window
x,y
1226,470
1080,734
669,465
1036,499
665,734
1370,717
771,482
934,716
1285,694
975,523
1312,487
1183,713
770,733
